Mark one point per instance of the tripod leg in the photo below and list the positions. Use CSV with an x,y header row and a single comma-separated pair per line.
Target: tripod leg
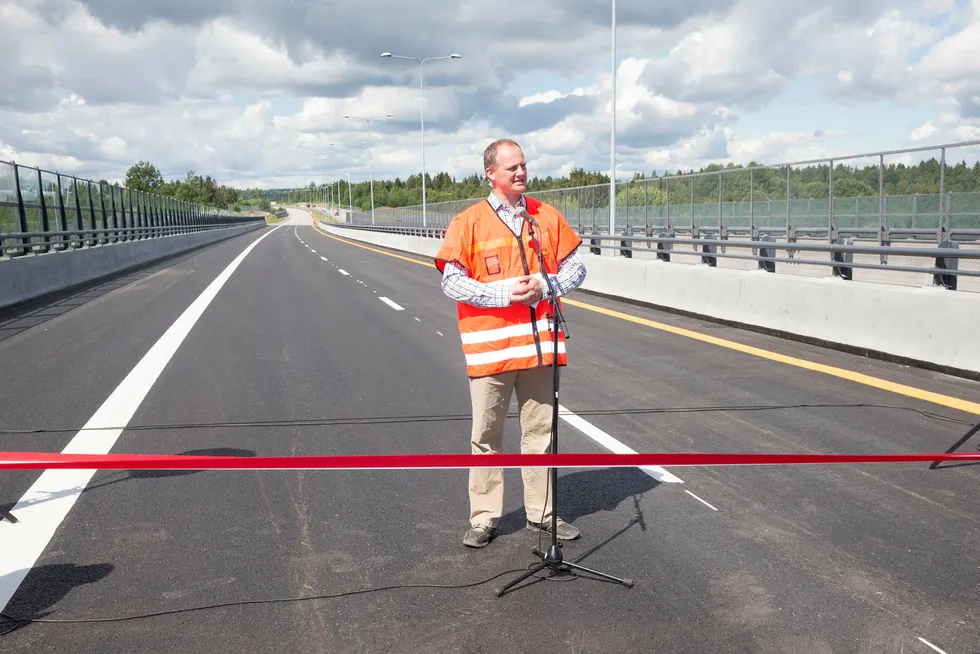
x,y
575,566
537,568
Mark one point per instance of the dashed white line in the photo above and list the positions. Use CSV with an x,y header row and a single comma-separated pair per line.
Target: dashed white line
x,y
313,251
391,304
614,445
325,259
440,333
344,272
700,500
417,320
931,645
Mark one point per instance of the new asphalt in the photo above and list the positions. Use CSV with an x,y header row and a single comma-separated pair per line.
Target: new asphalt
x,y
294,357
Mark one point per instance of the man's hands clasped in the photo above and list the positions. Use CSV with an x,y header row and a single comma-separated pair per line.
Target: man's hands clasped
x,y
526,290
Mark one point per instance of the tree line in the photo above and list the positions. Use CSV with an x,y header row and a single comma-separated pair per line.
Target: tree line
x,y
195,188
737,184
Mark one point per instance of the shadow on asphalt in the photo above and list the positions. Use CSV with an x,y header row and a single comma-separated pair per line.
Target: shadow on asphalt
x,y
116,476
21,317
583,493
44,587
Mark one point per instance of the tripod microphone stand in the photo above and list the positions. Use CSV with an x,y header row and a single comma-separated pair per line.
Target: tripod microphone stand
x,y
552,558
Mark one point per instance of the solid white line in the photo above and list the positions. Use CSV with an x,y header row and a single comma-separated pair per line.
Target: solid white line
x,y
344,272
391,304
614,445
42,509
325,259
931,645
700,500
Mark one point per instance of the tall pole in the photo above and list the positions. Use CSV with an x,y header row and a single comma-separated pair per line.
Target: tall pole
x,y
422,113
422,119
371,160
612,139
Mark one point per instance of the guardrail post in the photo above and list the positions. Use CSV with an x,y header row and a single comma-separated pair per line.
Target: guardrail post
x,y
709,250
663,249
45,224
767,255
105,217
78,215
91,215
627,245
115,216
21,215
947,263
845,272
62,217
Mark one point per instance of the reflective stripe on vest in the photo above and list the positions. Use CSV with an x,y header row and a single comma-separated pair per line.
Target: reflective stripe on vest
x,y
515,337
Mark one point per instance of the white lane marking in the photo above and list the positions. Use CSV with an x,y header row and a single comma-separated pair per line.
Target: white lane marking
x,y
42,509
440,333
931,645
313,251
391,304
700,500
344,272
325,259
417,320
614,445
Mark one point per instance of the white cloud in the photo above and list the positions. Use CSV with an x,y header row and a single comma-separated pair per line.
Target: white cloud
x,y
254,93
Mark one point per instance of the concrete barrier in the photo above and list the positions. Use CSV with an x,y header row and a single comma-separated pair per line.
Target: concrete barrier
x,y
927,326
31,277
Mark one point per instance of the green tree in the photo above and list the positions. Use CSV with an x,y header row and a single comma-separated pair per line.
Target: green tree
x,y
143,176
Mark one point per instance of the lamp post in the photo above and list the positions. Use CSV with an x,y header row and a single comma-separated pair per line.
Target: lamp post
x,y
612,139
371,160
421,62
339,196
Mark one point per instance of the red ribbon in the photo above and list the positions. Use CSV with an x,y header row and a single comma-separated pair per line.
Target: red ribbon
x,y
57,460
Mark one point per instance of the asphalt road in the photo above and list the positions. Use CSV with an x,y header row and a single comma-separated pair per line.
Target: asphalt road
x,y
294,357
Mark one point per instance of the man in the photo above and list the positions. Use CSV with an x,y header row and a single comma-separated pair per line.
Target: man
x,y
490,267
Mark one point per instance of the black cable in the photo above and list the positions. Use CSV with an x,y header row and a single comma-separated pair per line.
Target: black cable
x,y
19,622
384,420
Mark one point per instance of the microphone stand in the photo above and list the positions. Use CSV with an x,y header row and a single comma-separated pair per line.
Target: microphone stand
x,y
553,559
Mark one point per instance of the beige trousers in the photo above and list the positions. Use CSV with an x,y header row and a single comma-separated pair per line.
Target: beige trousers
x,y
491,399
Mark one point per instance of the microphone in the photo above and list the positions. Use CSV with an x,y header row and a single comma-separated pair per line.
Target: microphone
x,y
522,212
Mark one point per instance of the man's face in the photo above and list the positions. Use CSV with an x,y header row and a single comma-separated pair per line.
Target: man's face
x,y
510,174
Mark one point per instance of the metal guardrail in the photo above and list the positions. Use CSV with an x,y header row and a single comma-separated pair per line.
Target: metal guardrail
x,y
42,211
930,193
944,259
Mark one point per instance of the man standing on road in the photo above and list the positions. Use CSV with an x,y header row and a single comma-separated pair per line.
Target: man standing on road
x,y
491,269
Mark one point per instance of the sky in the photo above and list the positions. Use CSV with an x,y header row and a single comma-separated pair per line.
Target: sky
x,y
253,92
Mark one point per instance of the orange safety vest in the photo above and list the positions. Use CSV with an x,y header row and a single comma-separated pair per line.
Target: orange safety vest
x,y
516,337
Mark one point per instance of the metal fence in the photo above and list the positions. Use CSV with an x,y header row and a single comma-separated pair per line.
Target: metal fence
x,y
930,193
906,216
42,211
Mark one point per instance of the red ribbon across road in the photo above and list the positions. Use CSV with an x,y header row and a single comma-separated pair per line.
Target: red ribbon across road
x,y
57,460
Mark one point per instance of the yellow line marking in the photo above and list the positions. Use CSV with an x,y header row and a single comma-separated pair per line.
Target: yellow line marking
x,y
850,375
364,247
867,380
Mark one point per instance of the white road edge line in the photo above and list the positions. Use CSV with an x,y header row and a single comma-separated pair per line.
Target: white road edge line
x,y
931,645
614,445
344,272
44,506
391,304
700,500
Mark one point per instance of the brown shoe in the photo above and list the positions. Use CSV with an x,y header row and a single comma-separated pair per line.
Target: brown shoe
x,y
565,530
479,536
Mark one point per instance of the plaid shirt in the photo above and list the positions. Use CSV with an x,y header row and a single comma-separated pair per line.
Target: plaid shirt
x,y
457,284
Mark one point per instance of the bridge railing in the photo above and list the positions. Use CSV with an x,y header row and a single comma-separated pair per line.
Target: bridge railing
x,y
43,211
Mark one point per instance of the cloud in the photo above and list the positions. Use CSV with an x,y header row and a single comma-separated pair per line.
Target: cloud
x,y
253,90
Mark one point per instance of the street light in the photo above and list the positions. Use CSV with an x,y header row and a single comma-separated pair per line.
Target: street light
x,y
388,55
371,159
339,196
612,138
